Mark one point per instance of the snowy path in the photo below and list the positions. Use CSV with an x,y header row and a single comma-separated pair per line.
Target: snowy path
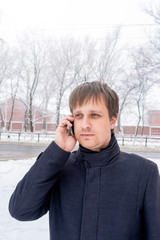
x,y
10,174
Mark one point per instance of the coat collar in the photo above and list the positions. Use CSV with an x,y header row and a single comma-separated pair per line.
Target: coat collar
x,y
98,159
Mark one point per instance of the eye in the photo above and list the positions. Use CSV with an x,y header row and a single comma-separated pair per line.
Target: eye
x,y
78,115
95,115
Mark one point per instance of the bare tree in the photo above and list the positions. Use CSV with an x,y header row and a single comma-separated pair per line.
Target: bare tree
x,y
152,56
34,60
48,88
3,61
152,10
125,88
87,60
65,65
4,68
13,80
107,64
144,81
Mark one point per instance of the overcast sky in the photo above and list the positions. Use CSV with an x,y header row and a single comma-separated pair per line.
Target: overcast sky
x,y
76,18
72,17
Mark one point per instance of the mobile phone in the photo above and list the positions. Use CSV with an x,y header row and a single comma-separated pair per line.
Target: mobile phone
x,y
72,128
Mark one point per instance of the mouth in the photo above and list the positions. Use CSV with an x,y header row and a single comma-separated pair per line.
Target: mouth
x,y
86,135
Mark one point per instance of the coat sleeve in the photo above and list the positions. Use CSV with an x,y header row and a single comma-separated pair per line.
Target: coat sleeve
x,y
152,206
30,199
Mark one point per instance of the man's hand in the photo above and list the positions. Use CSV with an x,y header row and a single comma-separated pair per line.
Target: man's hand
x,y
63,138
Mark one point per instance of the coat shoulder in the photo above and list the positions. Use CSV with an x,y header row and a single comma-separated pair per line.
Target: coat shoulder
x,y
137,160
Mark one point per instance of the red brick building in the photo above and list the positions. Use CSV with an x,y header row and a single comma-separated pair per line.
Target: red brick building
x,y
151,129
154,118
17,122
154,121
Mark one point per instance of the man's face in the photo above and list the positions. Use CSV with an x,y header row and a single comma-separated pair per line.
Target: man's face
x,y
92,125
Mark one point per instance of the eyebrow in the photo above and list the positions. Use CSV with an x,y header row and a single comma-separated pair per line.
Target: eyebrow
x,y
91,111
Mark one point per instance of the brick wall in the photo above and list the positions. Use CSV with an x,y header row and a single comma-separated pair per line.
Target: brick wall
x,y
154,117
17,122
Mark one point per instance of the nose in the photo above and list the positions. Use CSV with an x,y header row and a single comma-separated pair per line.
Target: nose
x,y
85,124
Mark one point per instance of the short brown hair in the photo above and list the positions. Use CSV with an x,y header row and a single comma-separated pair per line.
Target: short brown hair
x,y
95,90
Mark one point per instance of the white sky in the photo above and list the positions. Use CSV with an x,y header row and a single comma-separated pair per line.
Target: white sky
x,y
71,17
75,18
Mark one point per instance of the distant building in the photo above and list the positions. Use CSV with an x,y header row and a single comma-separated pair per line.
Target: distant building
x,y
152,128
18,118
154,117
154,121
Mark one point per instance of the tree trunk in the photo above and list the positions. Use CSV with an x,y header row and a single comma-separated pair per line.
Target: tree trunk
x,y
44,125
119,123
26,120
59,105
12,110
58,111
139,118
31,115
2,119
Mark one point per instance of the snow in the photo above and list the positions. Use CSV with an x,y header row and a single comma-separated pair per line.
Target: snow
x,y
11,173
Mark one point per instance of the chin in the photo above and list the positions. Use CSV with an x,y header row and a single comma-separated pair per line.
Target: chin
x,y
89,146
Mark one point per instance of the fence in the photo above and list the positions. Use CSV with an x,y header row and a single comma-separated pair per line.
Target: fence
x,y
27,137
146,141
139,141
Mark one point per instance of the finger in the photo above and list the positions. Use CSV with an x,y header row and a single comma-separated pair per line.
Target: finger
x,y
65,123
69,117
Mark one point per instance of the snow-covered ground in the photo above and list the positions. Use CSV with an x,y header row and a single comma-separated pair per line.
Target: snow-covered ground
x,y
10,174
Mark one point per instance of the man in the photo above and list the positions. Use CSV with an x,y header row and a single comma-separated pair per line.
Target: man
x,y
96,192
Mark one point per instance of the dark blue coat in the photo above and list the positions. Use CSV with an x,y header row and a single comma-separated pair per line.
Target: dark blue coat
x,y
108,195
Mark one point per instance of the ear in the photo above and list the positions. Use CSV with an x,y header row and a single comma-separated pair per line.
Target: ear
x,y
113,121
